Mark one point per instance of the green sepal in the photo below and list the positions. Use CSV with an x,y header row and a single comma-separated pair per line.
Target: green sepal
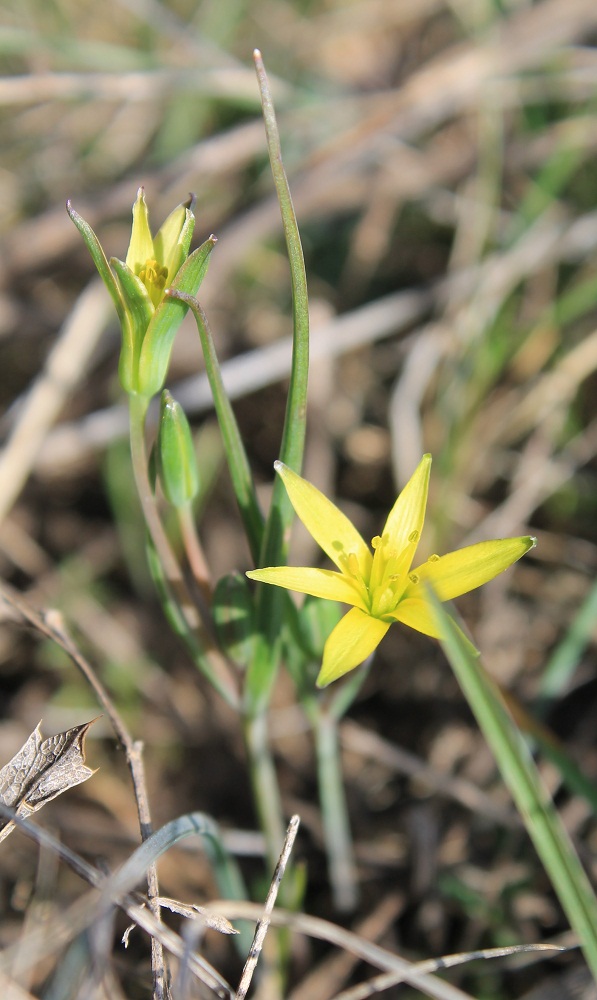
x,y
139,311
177,462
99,259
234,617
157,343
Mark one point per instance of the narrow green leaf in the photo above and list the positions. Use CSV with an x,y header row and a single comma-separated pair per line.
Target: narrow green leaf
x,y
274,547
281,514
518,770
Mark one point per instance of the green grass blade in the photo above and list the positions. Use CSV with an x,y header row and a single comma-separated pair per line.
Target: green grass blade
x,y
539,735
273,550
566,655
518,770
293,434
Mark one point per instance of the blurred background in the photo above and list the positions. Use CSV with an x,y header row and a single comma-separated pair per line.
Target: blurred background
x,y
441,159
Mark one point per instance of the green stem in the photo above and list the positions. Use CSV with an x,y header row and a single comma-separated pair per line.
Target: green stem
x,y
266,793
236,456
196,635
336,824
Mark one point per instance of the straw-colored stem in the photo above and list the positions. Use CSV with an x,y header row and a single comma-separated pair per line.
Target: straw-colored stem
x,y
194,551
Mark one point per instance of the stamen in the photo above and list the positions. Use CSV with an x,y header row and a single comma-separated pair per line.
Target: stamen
x,y
414,536
433,558
154,274
414,577
352,564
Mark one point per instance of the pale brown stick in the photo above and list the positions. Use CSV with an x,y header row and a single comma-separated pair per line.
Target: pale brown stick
x,y
51,624
264,921
46,941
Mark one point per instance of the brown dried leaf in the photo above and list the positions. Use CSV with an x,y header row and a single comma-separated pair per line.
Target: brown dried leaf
x,y
41,770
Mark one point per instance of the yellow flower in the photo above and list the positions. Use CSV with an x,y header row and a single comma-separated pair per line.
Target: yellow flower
x,y
148,318
380,585
156,261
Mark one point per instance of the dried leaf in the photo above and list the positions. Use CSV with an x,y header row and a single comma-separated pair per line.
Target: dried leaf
x,y
192,911
41,770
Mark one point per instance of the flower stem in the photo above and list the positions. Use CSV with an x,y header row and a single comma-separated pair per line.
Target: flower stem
x,y
196,635
194,551
336,824
266,793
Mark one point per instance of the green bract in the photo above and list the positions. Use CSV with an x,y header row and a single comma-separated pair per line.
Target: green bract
x,y
149,318
380,586
177,463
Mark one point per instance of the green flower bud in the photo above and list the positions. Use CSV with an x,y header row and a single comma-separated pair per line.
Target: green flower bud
x,y
149,319
177,463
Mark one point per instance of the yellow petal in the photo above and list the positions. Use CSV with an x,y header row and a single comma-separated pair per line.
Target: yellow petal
x,y
464,570
172,241
349,644
419,614
408,513
306,580
141,246
330,528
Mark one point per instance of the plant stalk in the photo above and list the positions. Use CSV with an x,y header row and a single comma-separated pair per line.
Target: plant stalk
x,y
336,823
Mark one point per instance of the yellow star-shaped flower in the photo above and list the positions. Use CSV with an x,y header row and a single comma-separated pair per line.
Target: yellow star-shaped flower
x,y
380,585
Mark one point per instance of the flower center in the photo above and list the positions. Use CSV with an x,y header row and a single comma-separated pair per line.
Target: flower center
x,y
349,564
153,275
389,573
